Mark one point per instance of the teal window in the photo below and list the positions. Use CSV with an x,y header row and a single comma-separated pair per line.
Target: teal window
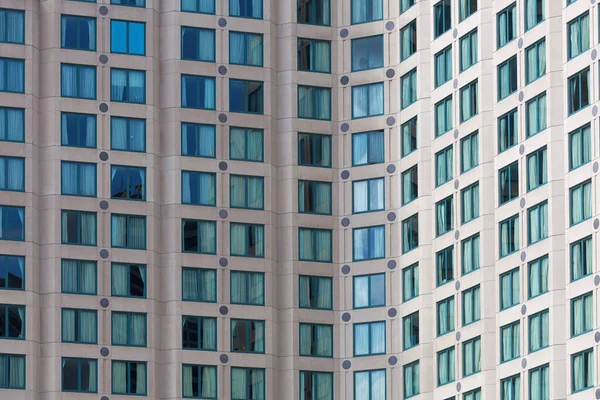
x,y
128,134
78,374
247,383
412,385
316,292
314,244
581,258
538,276
580,147
12,223
443,116
367,53
246,96
510,289
79,326
12,124
314,12
78,228
582,370
468,101
199,284
507,78
470,254
582,314
445,316
77,32
367,100
509,236
406,4
314,102
444,166
316,340
578,35
247,240
368,148
128,231
409,88
508,182
473,395
314,197
366,11
535,61
507,25
199,333
536,114
539,330
471,309
128,37
507,131
12,272
314,55
534,13
13,26
368,291
77,179
198,140
510,341
198,6
408,40
469,152
314,150
12,173
580,202
246,144
77,81
246,8
468,50
316,385
198,188
128,86
369,338
247,192
198,92
247,288
78,276
444,215
368,243
442,17
198,44
410,185
537,217
247,336
410,325
130,3
539,382
199,382
129,377
128,280
246,48
128,182
128,329
466,9
77,130
444,260
410,282
12,75
472,356
579,90
409,136
410,233
368,195
446,366
12,322
199,236
537,169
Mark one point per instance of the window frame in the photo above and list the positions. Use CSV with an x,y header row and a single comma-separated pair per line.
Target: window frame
x,y
127,38
370,287
80,19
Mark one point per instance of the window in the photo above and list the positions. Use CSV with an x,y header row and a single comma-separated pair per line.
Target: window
x,y
406,4
247,288
130,3
199,284
536,114
535,61
367,148
78,228
581,202
12,322
78,375
580,147
198,6
410,233
316,385
199,333
77,130
198,140
466,9
78,277
316,340
539,335
470,304
410,325
369,385
128,280
12,272
468,101
316,292
199,236
128,231
510,292
409,136
446,360
247,336
537,217
246,48
410,282
410,185
582,370
581,258
128,182
79,326
411,380
246,192
245,144
508,182
366,11
445,316
470,254
12,366
368,291
13,26
444,260
128,37
444,166
77,81
13,75
510,341
442,17
247,240
509,235
12,223
409,88
469,152
128,134
314,197
247,383
507,130
368,195
444,211
471,356
198,44
246,8
537,170
199,381
245,96
129,377
77,32
582,314
539,382
12,174
369,338
443,116
579,89
314,244
367,53
408,40
314,102
538,277
507,25
127,86
578,34
367,100
468,49
77,179
473,395
198,92
534,13
313,55
507,78
314,12
368,243
128,329
314,150
12,124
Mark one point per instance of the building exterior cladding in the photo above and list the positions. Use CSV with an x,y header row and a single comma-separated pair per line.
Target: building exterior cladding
x,y
285,199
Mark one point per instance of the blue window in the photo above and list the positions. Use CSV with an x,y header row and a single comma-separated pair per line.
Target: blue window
x,y
128,86
442,17
468,49
443,66
580,147
12,272
199,333
198,92
198,188
538,276
314,244
444,265
406,4
129,377
580,202
581,258
410,233
537,169
534,13
198,6
245,96
314,197
246,192
246,48
369,338
79,276
508,182
367,148
411,374
582,314
470,254
367,53
313,55
128,280
314,102
130,3
199,284
444,166
466,9
408,40
316,340
443,116
246,144
578,33
12,124
510,341
199,236
444,215
535,61
78,130
446,366
368,195
410,282
128,134
314,12
471,308
469,152
536,114
12,174
472,356
128,182
78,81
246,8
77,32
539,382
468,101
128,329
368,291
128,37
509,236
12,223
582,370
410,325
507,130
314,150
12,24
507,25
199,381
470,203
316,292
507,78
247,383
197,44
445,316
410,185
12,322
316,385
247,240
78,228
409,88
537,217
368,243
510,388
409,136
78,179
12,75
198,140
128,231
510,289
579,90
79,375
79,326
247,288
367,100
366,11
539,330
